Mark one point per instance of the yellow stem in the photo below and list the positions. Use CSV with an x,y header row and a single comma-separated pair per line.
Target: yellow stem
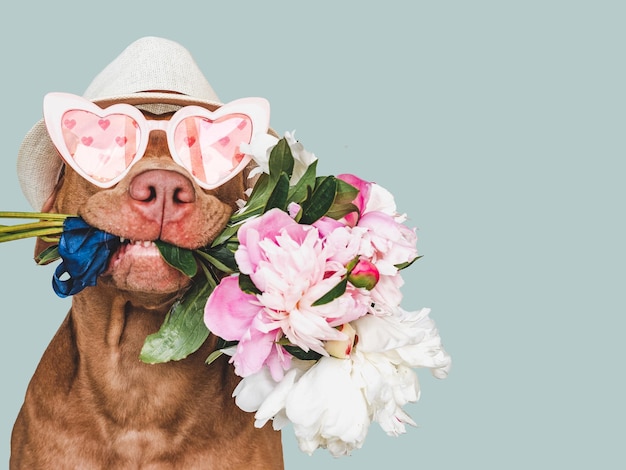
x,y
33,215
31,226
31,233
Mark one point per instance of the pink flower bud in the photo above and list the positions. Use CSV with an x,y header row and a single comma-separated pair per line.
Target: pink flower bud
x,y
342,349
364,274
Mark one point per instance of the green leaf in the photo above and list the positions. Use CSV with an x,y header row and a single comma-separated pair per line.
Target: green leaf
x,y
183,331
299,353
211,279
179,258
278,198
221,344
221,257
301,189
254,206
48,255
402,266
320,200
332,294
343,202
213,357
227,234
346,193
247,286
281,160
337,211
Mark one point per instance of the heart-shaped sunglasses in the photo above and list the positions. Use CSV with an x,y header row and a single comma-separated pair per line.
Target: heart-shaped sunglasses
x,y
103,144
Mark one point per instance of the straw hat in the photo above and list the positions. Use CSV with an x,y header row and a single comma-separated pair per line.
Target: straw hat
x,y
152,73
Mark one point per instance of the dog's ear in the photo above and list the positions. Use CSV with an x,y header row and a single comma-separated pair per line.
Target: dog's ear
x,y
49,206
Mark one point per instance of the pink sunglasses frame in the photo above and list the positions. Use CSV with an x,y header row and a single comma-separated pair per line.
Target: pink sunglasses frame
x,y
57,104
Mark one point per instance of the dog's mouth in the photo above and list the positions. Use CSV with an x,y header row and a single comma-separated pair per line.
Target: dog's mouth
x,y
137,248
137,265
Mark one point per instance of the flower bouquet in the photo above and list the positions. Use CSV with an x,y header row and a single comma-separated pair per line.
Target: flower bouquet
x,y
302,288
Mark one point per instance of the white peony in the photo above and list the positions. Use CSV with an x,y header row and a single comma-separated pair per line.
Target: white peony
x,y
332,402
302,157
261,147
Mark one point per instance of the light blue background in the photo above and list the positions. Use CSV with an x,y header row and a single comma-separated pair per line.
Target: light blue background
x,y
500,127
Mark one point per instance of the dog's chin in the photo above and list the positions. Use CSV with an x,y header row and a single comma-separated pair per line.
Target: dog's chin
x,y
139,267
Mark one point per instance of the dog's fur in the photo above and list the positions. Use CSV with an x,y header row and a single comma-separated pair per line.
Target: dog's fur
x,y
92,404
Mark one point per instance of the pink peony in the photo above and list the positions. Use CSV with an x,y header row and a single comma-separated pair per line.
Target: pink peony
x,y
361,199
292,268
383,240
364,274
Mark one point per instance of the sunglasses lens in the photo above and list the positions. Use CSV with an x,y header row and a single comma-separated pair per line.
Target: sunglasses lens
x,y
101,147
209,149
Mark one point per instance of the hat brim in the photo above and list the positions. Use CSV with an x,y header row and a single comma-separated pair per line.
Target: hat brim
x,y
157,97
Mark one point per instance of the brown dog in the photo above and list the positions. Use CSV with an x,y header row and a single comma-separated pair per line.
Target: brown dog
x,y
92,404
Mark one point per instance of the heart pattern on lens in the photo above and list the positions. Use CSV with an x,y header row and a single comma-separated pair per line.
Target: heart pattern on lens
x,y
102,147
209,149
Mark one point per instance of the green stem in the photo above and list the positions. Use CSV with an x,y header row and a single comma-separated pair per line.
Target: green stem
x,y
53,239
209,276
31,226
33,215
214,261
31,233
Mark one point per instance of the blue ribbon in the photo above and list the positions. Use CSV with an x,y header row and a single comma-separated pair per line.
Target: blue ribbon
x,y
85,251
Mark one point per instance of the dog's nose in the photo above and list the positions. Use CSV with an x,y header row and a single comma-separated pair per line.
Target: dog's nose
x,y
161,195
